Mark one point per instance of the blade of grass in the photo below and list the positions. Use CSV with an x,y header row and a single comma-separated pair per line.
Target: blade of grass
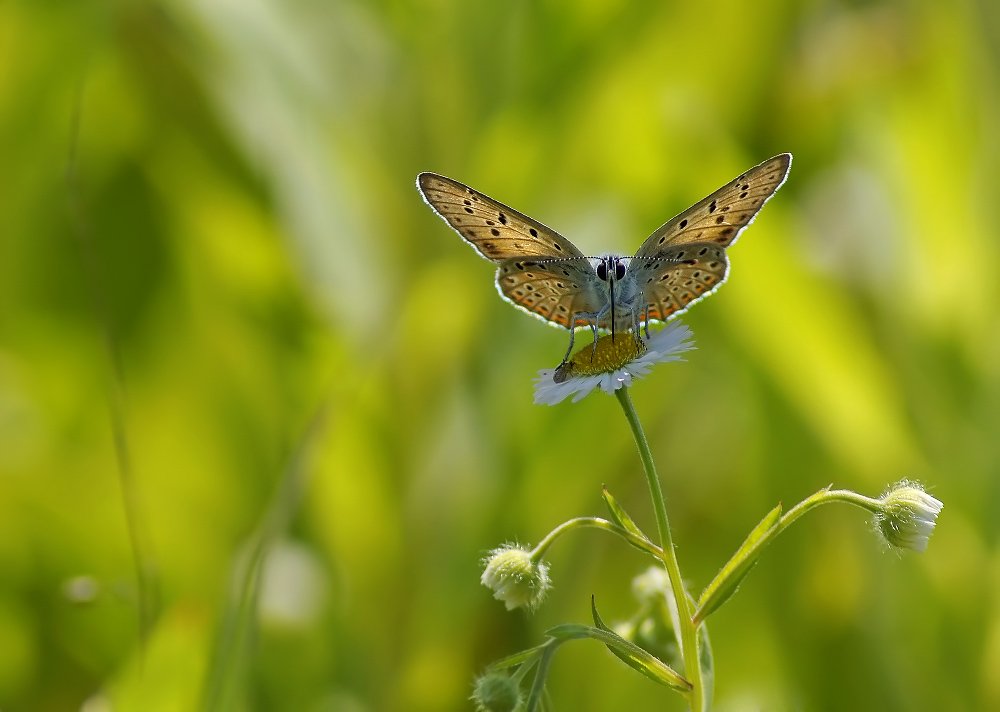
x,y
225,687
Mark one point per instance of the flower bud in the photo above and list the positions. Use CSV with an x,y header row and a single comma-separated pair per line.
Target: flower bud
x,y
515,578
496,692
651,586
654,627
907,516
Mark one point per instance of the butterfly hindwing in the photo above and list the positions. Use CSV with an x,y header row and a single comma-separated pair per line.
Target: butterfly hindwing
x,y
496,231
678,277
722,216
555,290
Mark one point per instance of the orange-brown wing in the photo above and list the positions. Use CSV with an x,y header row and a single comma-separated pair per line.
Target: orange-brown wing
x,y
496,231
722,216
554,290
678,277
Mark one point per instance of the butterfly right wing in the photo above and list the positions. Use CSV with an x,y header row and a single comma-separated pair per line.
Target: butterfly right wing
x,y
555,290
496,231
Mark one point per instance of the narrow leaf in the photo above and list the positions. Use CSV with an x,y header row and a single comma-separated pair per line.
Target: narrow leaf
x,y
728,580
538,686
620,516
707,661
517,658
617,653
634,656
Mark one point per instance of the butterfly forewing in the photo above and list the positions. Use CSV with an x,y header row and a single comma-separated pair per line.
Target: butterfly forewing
x,y
723,215
496,231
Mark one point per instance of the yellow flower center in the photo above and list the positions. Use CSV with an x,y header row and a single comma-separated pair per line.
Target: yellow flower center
x,y
606,357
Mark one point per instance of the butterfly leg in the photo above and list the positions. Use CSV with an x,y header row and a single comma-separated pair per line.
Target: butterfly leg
x,y
636,329
592,319
595,319
588,316
572,335
646,323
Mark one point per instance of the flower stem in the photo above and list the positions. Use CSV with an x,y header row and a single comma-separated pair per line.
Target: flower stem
x,y
688,631
638,542
869,504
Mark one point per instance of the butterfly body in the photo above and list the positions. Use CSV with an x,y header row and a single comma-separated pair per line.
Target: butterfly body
x,y
543,273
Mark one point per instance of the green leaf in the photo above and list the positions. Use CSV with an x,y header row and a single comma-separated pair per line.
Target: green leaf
x,y
617,653
538,686
707,661
620,516
630,653
525,656
728,580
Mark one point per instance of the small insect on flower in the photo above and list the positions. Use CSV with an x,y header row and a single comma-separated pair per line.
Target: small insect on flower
x,y
515,578
907,516
546,275
611,364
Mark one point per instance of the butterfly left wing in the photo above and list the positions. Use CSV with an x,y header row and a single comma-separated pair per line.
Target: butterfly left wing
x,y
555,290
685,260
723,215
496,231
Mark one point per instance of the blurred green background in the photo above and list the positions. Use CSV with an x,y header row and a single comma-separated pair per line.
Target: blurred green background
x,y
227,317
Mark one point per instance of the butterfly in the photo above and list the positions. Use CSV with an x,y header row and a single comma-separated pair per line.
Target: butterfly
x,y
543,273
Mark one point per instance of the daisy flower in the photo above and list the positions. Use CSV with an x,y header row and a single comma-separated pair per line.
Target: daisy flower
x,y
611,364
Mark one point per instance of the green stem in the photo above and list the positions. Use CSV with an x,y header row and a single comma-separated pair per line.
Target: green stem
x,y
688,630
595,523
825,496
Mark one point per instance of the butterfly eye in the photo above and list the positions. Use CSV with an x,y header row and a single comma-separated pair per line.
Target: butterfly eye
x,y
602,271
619,270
